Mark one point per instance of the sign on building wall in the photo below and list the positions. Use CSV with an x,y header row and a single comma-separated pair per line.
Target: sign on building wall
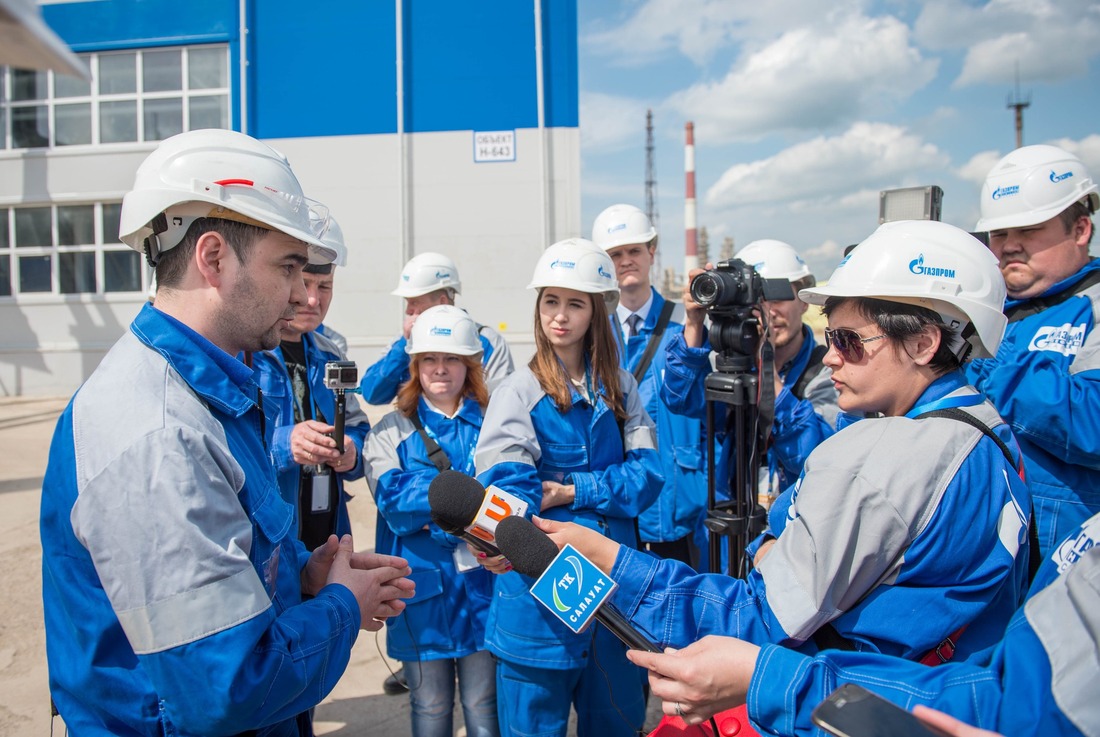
x,y
494,146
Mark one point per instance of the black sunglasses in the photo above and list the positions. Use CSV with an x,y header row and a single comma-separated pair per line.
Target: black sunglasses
x,y
848,343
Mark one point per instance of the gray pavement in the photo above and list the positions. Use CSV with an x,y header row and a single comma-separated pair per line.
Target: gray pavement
x,y
356,705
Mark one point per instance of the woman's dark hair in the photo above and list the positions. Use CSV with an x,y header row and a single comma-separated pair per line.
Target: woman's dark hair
x,y
899,322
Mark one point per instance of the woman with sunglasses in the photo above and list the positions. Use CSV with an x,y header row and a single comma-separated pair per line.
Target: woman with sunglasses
x,y
441,633
567,434
907,531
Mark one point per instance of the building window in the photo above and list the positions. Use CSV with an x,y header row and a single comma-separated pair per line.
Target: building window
x,y
143,95
67,249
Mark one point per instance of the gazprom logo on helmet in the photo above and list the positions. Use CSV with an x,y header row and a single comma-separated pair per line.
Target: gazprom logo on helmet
x,y
442,275
438,331
602,273
560,263
1002,192
1059,177
917,267
616,227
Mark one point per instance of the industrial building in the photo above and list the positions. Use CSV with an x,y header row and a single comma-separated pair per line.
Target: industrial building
x,y
424,125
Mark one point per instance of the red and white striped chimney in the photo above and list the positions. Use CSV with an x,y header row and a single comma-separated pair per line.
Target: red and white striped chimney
x,y
691,252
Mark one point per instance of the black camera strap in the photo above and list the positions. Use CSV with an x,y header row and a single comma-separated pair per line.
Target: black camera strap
x,y
654,340
817,358
436,455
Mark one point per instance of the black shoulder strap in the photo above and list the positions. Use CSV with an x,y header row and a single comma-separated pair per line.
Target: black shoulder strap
x,y
1035,306
436,455
1034,556
817,357
654,340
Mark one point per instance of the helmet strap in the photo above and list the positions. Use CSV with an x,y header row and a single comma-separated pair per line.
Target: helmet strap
x,y
152,248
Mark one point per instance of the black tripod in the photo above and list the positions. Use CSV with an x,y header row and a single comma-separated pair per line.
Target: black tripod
x,y
740,519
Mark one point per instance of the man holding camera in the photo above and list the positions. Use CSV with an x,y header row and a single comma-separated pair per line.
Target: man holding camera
x,y
172,580
805,398
649,323
311,469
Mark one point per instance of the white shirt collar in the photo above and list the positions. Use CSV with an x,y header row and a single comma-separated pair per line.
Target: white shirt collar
x,y
642,311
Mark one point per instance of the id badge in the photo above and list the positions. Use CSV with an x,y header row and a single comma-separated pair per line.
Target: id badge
x,y
464,560
320,500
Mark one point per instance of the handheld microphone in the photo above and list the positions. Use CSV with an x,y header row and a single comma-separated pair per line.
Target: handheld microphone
x,y
455,500
530,552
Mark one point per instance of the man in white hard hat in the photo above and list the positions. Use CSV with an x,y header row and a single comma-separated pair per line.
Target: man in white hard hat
x,y
172,577
429,279
311,469
1037,204
805,398
649,323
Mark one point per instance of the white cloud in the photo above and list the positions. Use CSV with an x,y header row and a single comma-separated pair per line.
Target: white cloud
x,y
808,79
978,167
1049,40
697,29
1087,149
610,122
837,170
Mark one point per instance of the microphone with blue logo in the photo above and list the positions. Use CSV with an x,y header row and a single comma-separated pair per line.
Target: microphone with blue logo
x,y
572,587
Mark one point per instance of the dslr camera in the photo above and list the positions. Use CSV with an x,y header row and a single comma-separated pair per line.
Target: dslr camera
x,y
730,292
341,375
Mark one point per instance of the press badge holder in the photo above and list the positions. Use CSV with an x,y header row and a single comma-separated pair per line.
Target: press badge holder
x,y
320,500
464,560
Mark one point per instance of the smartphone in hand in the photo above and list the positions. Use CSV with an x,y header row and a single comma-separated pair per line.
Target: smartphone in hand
x,y
853,711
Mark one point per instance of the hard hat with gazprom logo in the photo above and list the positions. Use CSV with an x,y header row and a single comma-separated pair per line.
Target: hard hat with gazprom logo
x,y
427,272
1032,185
220,174
622,225
444,329
929,264
774,260
579,264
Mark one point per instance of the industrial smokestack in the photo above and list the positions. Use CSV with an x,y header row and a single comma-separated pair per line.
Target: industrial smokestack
x,y
691,252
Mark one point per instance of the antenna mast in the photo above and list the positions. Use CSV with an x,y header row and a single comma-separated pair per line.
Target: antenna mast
x,y
1019,104
651,188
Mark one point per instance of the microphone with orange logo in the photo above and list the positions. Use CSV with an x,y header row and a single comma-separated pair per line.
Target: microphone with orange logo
x,y
461,506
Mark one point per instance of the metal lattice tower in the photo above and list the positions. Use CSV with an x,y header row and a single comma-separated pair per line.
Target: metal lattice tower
x,y
1019,104
651,188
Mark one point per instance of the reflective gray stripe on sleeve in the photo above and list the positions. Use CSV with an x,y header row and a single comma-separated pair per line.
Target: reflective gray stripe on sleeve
x,y
383,440
639,431
192,615
1066,618
507,433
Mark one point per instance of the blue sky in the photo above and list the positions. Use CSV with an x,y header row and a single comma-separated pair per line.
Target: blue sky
x,y
804,111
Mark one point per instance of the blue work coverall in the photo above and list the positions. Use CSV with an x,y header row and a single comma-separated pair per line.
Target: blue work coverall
x,y
171,569
544,666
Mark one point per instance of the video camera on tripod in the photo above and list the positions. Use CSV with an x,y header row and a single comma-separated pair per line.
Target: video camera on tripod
x,y
733,294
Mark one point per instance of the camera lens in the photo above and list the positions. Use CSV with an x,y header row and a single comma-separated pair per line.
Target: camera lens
x,y
706,288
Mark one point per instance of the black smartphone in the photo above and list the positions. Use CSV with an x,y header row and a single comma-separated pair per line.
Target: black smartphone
x,y
853,711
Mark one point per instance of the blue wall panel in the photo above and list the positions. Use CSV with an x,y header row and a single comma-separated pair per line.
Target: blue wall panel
x,y
559,60
321,68
469,66
118,24
329,68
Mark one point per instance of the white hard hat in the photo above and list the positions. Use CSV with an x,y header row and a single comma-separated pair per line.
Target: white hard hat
x,y
444,329
219,174
622,225
579,264
774,260
929,264
427,272
1032,185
